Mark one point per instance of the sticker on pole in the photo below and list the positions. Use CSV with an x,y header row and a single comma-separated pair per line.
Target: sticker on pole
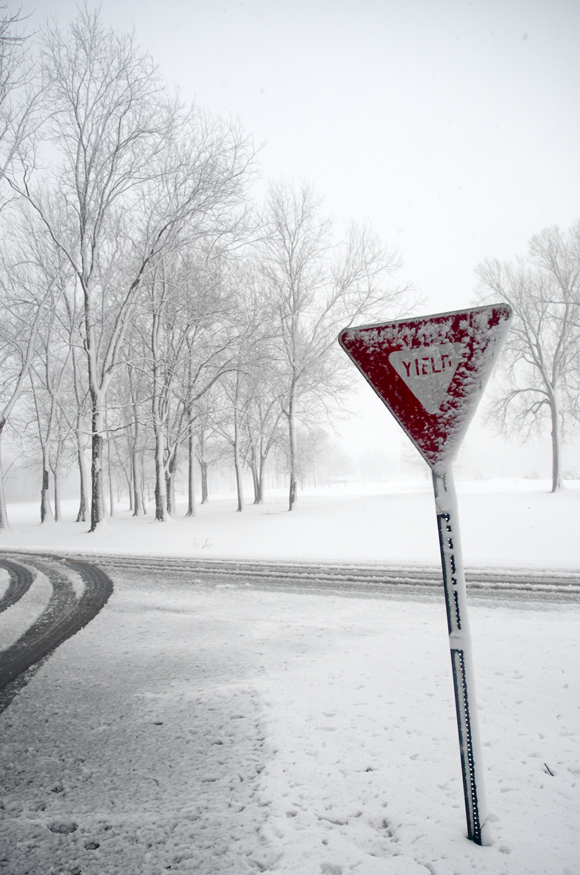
x,y
431,371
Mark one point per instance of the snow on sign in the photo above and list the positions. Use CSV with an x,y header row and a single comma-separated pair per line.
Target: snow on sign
x,y
431,371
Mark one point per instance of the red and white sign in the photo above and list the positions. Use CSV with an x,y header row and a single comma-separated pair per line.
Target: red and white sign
x,y
431,372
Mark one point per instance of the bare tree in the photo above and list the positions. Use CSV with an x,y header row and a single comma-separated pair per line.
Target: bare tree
x,y
316,288
539,357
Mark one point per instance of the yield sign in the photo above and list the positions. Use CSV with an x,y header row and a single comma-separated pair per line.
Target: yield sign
x,y
431,372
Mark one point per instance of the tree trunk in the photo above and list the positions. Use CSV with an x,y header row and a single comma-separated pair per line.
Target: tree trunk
x,y
45,510
293,489
238,466
172,502
203,466
97,513
82,514
190,473
261,478
556,446
129,479
170,472
142,485
160,488
81,442
204,488
168,506
255,484
255,476
55,483
137,498
259,487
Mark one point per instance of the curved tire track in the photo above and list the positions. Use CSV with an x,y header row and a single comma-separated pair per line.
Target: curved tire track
x,y
63,617
20,582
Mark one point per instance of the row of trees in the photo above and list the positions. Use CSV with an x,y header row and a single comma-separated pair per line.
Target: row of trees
x,y
149,308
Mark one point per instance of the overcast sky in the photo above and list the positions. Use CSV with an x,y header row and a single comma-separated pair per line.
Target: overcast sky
x,y
452,127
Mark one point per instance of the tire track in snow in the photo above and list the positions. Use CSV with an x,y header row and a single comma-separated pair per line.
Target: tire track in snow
x,y
64,616
20,582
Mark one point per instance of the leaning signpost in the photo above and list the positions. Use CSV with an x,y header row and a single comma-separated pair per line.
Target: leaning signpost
x,y
431,373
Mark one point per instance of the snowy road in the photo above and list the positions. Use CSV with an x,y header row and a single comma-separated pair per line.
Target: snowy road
x,y
224,721
353,579
67,611
324,576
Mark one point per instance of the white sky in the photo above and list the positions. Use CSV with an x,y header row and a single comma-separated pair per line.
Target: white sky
x,y
452,127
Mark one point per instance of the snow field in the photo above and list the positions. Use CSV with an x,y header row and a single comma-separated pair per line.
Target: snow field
x,y
191,728
515,524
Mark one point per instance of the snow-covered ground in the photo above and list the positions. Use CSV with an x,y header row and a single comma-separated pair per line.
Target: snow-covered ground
x,y
503,523
222,729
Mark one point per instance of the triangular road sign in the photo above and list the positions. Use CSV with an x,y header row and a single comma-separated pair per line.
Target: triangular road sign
x,y
431,372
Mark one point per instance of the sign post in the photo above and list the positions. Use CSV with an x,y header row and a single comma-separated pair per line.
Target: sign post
x,y
461,657
431,373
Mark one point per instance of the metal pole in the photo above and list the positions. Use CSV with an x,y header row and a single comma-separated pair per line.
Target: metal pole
x,y
461,657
